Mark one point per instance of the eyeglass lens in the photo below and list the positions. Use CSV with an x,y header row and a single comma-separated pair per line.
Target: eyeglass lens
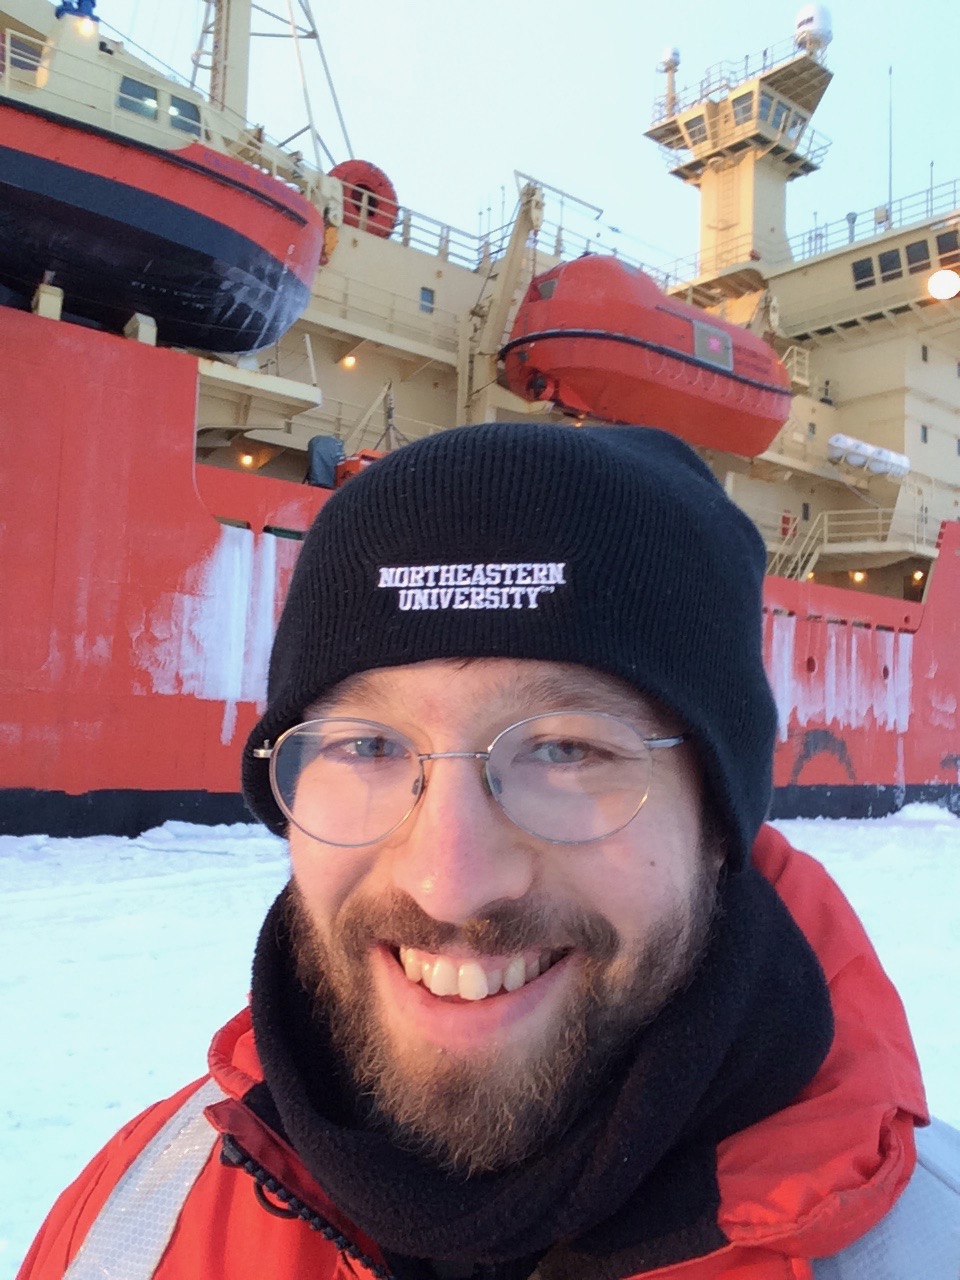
x,y
566,777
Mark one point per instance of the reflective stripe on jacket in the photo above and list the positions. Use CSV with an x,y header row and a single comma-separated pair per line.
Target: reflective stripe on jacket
x,y
820,1179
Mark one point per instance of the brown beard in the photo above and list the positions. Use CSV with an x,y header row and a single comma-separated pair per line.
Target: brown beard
x,y
481,1114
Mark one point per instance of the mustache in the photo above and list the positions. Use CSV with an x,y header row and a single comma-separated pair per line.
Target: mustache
x,y
503,928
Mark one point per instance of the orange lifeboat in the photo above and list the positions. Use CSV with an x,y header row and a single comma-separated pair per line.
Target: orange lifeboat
x,y
598,338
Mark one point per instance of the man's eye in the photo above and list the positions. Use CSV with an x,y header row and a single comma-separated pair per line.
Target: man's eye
x,y
560,751
373,747
378,748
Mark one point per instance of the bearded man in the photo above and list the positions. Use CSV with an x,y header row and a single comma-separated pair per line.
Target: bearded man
x,y
543,997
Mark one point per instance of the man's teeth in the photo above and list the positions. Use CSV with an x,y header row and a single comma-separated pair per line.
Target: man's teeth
x,y
469,979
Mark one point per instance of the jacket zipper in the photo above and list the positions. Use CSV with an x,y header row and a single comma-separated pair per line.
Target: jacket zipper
x,y
231,1153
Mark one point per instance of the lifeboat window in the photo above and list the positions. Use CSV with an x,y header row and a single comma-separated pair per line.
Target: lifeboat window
x,y
918,257
713,346
743,108
766,103
780,112
545,288
427,300
138,98
891,268
863,277
948,247
184,115
697,130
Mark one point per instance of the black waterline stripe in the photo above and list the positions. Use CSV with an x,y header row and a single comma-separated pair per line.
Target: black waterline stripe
x,y
655,347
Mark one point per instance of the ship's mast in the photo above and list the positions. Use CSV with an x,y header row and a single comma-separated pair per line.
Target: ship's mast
x,y
741,136
230,65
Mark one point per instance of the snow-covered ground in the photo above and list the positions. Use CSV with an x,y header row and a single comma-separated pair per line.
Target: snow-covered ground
x,y
120,958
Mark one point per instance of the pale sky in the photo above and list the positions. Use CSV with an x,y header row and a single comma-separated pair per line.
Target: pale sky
x,y
450,98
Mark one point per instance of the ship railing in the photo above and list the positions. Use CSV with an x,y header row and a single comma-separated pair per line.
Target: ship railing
x,y
722,77
934,201
415,230
735,252
793,553
568,231
796,361
346,297
808,145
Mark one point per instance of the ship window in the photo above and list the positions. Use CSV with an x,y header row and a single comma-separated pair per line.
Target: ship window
x,y
713,346
811,428
863,277
766,102
184,115
780,112
948,247
697,130
25,54
427,299
924,433
137,97
743,108
891,267
806,511
918,257
924,353
797,126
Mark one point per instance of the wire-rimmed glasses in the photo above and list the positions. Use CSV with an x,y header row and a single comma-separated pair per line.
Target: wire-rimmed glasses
x,y
568,777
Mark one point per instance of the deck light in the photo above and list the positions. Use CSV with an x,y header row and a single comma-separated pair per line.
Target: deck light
x,y
944,284
858,576
918,575
348,362
246,459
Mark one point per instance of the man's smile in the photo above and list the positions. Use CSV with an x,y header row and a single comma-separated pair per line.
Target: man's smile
x,y
475,977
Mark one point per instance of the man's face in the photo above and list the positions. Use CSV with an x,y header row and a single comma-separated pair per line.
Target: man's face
x,y
579,945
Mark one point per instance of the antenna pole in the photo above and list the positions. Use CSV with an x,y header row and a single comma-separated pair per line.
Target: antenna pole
x,y
890,149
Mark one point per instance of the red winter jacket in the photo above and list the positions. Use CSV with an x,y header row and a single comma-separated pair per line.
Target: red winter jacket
x,y
801,1184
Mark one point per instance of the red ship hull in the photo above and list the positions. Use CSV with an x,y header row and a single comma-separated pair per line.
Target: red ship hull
x,y
221,255
597,337
137,624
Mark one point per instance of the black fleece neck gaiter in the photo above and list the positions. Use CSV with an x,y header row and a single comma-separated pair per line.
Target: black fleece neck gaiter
x,y
634,1174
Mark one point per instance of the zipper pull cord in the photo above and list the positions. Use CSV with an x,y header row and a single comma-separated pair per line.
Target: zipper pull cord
x,y
233,1155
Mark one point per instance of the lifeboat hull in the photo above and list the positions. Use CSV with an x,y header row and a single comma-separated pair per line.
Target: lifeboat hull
x,y
221,255
599,339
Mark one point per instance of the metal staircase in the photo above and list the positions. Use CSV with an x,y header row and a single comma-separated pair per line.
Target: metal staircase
x,y
851,533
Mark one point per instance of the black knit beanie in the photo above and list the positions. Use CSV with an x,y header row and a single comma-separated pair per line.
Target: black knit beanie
x,y
611,547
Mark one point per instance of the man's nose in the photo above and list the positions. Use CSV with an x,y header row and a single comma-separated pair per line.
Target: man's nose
x,y
458,853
